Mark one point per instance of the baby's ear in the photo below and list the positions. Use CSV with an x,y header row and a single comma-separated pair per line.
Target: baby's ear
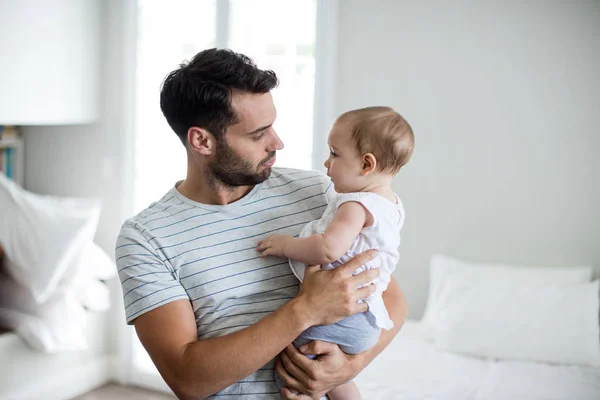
x,y
369,164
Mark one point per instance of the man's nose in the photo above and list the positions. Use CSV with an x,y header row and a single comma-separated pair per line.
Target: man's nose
x,y
276,143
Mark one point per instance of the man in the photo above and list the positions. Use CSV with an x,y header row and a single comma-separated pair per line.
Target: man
x,y
209,310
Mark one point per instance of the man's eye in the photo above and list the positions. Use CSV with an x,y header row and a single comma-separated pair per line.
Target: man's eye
x,y
259,135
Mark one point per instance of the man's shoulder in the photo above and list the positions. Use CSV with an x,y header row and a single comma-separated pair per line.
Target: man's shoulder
x,y
298,183
155,213
299,177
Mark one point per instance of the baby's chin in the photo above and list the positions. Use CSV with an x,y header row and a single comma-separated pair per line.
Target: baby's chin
x,y
342,189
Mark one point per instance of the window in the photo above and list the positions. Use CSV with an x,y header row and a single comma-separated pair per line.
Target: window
x,y
168,33
278,35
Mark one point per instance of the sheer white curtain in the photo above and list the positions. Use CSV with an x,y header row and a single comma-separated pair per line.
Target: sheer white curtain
x,y
278,35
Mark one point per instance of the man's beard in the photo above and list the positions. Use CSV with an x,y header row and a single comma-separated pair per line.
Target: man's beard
x,y
230,169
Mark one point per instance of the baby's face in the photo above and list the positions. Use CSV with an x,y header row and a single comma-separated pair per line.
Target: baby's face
x,y
344,163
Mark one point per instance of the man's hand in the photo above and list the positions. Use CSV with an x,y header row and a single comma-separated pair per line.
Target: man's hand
x,y
274,245
327,296
315,377
287,394
332,367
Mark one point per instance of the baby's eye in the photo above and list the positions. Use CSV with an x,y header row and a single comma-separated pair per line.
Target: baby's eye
x,y
333,154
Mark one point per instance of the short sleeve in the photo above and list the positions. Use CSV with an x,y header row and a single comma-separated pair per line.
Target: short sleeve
x,y
328,189
147,281
370,201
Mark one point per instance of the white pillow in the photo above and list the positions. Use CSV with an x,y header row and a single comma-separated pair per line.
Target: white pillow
x,y
84,280
43,236
57,325
96,263
537,323
442,267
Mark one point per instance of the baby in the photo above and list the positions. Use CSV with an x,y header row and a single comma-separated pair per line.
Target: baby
x,y
368,147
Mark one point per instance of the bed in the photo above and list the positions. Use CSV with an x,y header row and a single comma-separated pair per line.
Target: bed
x,y
412,368
496,332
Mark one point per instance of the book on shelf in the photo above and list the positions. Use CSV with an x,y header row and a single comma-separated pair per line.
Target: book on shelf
x,y
7,162
9,136
9,133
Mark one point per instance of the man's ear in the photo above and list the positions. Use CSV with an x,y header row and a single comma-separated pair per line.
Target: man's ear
x,y
369,164
201,141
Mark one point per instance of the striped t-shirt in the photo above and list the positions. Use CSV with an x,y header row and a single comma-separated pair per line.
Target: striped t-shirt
x,y
181,249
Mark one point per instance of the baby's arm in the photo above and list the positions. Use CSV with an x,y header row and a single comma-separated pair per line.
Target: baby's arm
x,y
324,248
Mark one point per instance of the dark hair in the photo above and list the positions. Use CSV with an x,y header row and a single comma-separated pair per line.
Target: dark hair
x,y
199,92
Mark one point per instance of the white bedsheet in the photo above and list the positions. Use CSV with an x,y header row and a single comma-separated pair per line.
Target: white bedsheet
x,y
411,368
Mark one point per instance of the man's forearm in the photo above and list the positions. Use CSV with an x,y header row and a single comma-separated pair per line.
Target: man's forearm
x,y
210,365
333,367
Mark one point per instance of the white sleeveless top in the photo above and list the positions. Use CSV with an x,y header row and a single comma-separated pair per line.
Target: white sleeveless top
x,y
383,235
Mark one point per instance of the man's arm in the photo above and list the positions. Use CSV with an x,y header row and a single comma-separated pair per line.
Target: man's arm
x,y
333,367
395,303
194,368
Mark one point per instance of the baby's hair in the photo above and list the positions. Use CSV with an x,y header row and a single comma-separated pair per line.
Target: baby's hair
x,y
382,132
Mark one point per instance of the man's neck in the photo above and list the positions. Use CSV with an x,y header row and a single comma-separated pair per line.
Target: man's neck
x,y
200,188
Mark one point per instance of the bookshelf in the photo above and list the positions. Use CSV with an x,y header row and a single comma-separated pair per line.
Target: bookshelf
x,y
12,156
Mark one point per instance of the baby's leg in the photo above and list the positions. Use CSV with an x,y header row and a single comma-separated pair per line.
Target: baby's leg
x,y
347,391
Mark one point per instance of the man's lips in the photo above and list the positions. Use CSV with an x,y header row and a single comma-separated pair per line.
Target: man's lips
x,y
270,162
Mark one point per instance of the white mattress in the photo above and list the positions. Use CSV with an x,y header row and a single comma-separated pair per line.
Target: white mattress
x,y
411,368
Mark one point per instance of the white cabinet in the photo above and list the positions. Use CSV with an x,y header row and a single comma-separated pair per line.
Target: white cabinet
x,y
50,52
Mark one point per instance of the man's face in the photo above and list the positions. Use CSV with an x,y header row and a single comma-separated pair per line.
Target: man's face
x,y
246,152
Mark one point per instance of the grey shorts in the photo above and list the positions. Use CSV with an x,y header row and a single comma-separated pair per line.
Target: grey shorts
x,y
354,334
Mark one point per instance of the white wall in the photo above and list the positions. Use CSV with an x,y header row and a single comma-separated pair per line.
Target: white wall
x,y
504,99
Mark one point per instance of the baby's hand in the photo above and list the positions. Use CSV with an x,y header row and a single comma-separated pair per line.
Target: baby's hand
x,y
274,245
